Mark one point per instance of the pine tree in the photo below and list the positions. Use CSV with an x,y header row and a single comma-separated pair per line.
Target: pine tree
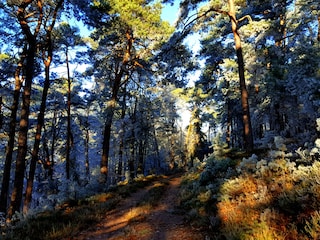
x,y
133,24
31,42
47,52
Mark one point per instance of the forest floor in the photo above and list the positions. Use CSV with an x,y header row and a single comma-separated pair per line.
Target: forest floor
x,y
131,219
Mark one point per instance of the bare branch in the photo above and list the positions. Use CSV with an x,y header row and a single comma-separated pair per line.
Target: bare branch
x,y
201,15
244,17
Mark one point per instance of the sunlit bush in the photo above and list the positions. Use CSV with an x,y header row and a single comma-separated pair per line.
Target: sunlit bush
x,y
270,196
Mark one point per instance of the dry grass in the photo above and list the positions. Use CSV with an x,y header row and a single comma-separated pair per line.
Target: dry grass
x,y
255,199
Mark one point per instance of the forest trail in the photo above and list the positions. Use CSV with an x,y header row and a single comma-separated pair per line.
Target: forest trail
x,y
131,220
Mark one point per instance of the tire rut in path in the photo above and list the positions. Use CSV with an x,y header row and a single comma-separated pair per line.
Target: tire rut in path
x,y
131,221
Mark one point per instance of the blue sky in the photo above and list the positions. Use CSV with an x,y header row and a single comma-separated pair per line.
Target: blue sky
x,y
170,12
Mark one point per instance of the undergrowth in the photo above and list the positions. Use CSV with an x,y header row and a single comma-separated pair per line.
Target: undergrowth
x,y
275,195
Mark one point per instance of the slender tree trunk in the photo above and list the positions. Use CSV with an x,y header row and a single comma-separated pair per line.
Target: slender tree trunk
x,y
121,144
141,153
87,162
131,162
1,115
47,163
69,132
318,38
10,146
172,152
132,144
248,138
156,149
54,135
229,121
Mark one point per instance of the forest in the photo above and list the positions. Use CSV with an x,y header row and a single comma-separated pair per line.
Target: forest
x,y
100,93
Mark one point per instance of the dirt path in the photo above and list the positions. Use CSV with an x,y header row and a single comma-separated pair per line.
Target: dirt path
x,y
132,221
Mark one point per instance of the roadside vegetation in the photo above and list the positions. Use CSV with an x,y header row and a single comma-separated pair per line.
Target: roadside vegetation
x,y
272,195
73,216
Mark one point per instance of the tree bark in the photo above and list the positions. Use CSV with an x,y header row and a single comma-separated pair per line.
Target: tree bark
x,y
247,128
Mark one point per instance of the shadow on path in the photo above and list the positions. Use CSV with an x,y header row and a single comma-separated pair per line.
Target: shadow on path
x,y
140,222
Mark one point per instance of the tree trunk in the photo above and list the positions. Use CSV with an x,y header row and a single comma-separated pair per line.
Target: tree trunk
x,y
16,197
22,16
111,107
318,38
131,162
229,122
54,134
48,166
69,132
87,139
141,155
121,144
36,146
10,146
1,115
107,129
132,144
247,128
120,163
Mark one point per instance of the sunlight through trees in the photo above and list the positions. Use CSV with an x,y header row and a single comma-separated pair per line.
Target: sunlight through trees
x,y
82,110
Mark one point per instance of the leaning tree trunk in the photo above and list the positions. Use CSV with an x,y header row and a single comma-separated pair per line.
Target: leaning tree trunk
x,y
247,128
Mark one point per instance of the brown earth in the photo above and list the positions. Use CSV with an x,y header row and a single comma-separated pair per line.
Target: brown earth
x,y
131,221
